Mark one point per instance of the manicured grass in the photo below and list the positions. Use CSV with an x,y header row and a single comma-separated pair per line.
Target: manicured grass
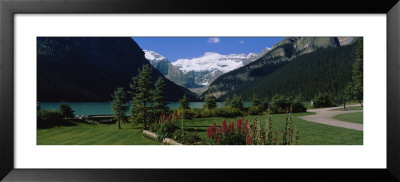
x,y
350,108
356,117
108,134
88,134
310,133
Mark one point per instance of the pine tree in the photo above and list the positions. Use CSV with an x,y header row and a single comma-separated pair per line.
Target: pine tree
x,y
119,105
159,99
66,110
227,102
347,95
236,102
184,103
358,72
142,89
209,103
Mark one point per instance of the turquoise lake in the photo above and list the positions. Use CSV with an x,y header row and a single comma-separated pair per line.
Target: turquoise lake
x,y
93,108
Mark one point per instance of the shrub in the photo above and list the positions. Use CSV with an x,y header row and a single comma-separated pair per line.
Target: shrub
x,y
166,126
279,103
298,106
165,130
188,138
48,118
255,110
323,100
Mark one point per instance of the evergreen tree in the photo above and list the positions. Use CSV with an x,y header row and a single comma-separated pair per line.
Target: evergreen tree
x,y
159,98
184,103
119,105
236,102
66,110
358,72
142,88
255,105
209,103
227,102
347,95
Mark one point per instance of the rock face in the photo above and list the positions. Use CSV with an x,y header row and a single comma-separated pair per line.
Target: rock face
x,y
89,69
171,72
281,53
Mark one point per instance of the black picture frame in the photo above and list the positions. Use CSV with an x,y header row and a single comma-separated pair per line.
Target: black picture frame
x,y
9,8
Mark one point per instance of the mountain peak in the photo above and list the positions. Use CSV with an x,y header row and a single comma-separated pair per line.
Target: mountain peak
x,y
153,56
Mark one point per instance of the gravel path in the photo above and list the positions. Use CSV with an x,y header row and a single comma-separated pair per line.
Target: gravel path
x,y
324,116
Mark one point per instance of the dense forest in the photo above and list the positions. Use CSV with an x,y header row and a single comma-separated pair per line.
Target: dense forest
x,y
326,70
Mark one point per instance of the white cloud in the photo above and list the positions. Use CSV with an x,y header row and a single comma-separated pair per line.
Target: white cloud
x,y
242,42
213,40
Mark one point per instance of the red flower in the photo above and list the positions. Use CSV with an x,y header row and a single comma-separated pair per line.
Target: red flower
x,y
224,128
232,127
239,124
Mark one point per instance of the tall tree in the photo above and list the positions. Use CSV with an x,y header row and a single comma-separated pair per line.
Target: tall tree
x,y
227,102
347,95
159,98
66,110
119,105
236,102
184,103
209,103
142,89
358,72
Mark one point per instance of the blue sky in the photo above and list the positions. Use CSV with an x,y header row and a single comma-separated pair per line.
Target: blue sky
x,y
189,47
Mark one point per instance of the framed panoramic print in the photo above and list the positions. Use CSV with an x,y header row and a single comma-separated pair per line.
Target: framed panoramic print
x,y
192,91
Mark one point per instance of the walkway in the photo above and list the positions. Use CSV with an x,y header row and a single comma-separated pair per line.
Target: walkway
x,y
324,116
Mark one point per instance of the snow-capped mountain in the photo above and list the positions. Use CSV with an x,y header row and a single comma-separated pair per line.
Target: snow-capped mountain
x,y
214,62
199,71
153,56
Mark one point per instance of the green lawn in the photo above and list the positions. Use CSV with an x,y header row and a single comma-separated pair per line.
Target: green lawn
x,y
356,117
108,134
97,134
310,133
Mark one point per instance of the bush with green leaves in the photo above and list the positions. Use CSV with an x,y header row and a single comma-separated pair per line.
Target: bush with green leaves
x,y
280,103
166,130
187,138
298,106
323,100
48,118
